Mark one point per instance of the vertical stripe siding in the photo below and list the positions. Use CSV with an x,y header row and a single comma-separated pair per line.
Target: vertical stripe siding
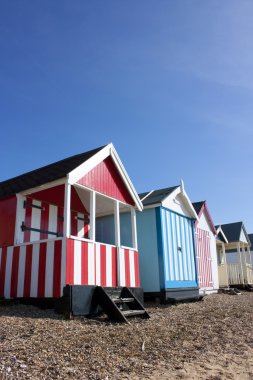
x,y
21,272
43,269
115,280
91,263
98,269
84,278
132,268
184,259
28,270
35,270
8,274
35,221
44,220
77,262
177,232
109,265
3,270
14,272
204,258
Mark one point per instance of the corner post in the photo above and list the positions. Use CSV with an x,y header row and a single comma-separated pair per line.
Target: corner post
x,y
134,229
67,199
92,231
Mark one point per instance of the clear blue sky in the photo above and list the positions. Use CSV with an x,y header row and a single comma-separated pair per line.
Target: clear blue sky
x,y
170,83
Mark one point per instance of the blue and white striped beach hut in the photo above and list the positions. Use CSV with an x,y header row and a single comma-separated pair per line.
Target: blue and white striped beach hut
x,y
166,243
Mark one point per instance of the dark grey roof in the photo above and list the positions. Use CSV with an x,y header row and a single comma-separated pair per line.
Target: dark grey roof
x,y
232,231
45,174
198,206
251,239
156,196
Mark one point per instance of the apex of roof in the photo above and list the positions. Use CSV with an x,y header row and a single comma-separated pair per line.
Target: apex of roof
x,y
198,206
44,174
156,196
233,231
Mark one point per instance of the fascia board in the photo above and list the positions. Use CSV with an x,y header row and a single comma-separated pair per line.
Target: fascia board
x,y
45,186
178,191
224,236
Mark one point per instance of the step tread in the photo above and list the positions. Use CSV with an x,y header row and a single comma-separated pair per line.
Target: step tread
x,y
129,313
119,300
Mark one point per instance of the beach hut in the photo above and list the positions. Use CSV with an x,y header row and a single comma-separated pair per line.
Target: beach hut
x,y
238,256
221,242
68,228
166,245
206,249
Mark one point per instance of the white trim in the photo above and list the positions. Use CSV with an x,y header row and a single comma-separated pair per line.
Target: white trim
x,y
219,230
92,230
45,186
117,223
147,195
66,221
18,231
134,228
92,162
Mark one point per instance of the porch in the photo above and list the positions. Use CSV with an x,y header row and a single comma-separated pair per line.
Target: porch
x,y
239,265
69,234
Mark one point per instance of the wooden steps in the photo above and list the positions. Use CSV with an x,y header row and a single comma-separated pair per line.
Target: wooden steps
x,y
119,303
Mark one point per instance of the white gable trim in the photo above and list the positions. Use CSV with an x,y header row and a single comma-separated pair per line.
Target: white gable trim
x,y
180,190
219,230
98,157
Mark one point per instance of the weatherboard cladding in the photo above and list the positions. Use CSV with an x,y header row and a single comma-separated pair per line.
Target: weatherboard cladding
x,y
45,174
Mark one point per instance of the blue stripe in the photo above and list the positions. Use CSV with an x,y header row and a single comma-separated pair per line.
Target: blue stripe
x,y
177,213
182,250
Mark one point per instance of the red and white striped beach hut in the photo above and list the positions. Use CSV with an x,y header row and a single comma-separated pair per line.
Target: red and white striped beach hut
x,y
206,249
69,223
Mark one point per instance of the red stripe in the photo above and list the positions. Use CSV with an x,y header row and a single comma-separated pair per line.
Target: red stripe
x,y
103,265
14,272
84,263
74,223
44,220
3,270
42,269
127,267
136,268
28,270
70,262
60,221
114,266
28,221
57,268
86,231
